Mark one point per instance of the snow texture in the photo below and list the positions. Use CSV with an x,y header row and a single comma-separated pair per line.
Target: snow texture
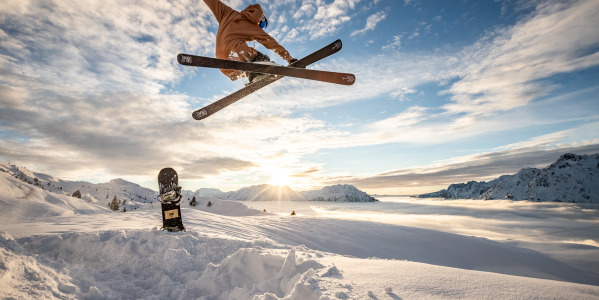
x,y
56,246
572,178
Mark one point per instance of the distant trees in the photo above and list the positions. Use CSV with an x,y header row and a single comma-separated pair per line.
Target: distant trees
x,y
193,201
114,204
77,194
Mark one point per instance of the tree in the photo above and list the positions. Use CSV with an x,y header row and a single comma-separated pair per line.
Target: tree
x,y
193,201
77,194
114,204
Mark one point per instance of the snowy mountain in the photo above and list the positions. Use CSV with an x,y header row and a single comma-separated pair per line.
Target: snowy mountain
x,y
263,192
206,192
338,193
135,196
21,200
572,178
129,195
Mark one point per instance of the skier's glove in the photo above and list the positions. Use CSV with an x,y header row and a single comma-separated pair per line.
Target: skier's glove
x,y
292,61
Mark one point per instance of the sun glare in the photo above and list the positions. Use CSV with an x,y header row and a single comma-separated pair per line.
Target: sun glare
x,y
279,177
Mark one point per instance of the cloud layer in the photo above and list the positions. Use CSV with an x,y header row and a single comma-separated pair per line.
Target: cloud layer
x,y
89,89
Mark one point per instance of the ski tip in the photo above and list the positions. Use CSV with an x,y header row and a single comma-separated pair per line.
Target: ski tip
x,y
349,79
337,44
184,59
200,114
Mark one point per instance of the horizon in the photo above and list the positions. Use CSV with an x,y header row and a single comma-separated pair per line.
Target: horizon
x,y
155,188
95,93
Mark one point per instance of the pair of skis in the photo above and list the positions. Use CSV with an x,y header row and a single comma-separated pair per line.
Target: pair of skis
x,y
296,69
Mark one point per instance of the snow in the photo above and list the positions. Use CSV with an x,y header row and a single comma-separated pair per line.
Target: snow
x,y
340,192
266,192
572,178
263,192
55,246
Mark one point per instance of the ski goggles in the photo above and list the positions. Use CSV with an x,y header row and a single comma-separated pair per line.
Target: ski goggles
x,y
263,22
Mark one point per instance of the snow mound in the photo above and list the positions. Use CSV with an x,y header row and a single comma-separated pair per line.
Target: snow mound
x,y
152,264
339,193
24,277
572,178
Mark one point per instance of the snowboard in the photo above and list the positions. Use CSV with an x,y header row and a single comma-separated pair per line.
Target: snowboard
x,y
209,110
170,200
209,62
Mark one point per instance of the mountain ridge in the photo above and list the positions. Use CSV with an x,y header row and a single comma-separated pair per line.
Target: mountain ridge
x,y
571,178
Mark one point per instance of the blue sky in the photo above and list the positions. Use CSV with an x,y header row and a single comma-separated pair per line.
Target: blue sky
x,y
446,91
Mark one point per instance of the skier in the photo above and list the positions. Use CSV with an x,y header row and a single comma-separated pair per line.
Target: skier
x,y
235,29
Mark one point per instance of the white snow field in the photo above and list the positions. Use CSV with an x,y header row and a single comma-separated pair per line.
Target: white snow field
x,y
55,246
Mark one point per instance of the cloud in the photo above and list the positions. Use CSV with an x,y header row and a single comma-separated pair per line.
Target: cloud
x,y
317,19
395,44
506,71
88,89
371,22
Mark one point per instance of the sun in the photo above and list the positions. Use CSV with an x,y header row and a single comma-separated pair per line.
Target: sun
x,y
279,177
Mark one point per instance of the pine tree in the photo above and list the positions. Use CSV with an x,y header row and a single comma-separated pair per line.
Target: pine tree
x,y
77,194
193,201
114,204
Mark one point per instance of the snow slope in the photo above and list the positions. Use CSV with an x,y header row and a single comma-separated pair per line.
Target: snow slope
x,y
572,178
233,252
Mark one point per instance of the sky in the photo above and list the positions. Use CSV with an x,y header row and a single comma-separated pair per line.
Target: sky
x,y
445,92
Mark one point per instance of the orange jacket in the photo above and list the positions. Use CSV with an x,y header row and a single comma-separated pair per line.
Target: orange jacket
x,y
235,29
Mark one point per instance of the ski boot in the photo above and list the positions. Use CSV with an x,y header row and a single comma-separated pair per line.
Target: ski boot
x,y
259,59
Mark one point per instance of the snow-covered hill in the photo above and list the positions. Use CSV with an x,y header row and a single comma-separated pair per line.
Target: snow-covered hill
x,y
338,193
130,196
572,178
207,192
20,200
263,192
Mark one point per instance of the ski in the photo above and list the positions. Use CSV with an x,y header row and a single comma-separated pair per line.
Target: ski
x,y
209,110
209,62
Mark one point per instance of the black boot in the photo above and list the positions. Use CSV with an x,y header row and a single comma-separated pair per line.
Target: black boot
x,y
260,57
